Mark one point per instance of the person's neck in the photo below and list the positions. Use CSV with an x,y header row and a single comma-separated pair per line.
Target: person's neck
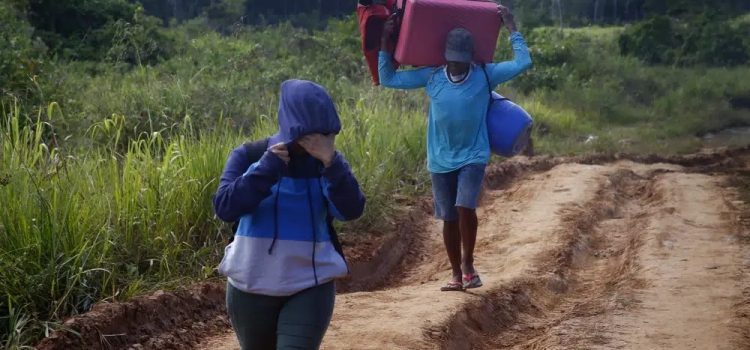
x,y
457,78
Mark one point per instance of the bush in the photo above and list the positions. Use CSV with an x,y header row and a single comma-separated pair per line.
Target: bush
x,y
140,41
742,25
653,41
88,29
20,55
551,52
701,40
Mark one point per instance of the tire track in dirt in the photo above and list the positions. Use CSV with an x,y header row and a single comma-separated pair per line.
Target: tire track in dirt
x,y
598,267
693,265
527,307
663,270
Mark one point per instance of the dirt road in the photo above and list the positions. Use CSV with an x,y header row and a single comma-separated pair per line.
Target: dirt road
x,y
616,256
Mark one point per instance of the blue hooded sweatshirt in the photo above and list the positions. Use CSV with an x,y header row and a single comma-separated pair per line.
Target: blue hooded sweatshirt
x,y
285,242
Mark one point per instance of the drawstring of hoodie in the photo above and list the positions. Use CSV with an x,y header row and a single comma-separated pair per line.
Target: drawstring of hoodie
x,y
275,217
312,223
315,229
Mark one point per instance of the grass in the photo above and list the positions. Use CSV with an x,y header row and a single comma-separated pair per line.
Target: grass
x,y
625,105
107,171
97,224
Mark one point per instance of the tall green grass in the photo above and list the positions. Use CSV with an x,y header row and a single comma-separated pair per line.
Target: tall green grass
x,y
82,225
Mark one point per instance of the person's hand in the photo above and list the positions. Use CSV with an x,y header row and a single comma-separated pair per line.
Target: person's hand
x,y
507,17
321,147
280,151
389,28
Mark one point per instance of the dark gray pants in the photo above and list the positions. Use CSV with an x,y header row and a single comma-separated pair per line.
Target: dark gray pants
x,y
297,322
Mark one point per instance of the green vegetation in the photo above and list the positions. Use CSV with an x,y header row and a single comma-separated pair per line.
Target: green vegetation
x,y
702,40
579,88
19,57
114,131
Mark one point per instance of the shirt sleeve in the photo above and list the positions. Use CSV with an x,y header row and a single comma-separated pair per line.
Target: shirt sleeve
x,y
345,197
405,79
504,71
241,190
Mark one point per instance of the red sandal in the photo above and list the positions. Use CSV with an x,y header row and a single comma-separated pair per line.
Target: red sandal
x,y
472,281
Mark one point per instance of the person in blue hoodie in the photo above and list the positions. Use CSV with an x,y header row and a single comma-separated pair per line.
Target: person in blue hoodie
x,y
285,255
458,147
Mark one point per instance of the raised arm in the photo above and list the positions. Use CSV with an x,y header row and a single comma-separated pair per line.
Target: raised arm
x,y
345,197
389,77
241,190
340,187
504,71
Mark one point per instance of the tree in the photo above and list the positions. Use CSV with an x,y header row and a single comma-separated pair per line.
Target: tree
x,y
20,56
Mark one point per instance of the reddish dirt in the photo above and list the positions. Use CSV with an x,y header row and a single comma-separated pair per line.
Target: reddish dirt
x,y
189,314
575,252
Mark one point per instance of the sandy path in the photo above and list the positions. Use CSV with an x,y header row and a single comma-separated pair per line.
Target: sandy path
x,y
664,271
690,263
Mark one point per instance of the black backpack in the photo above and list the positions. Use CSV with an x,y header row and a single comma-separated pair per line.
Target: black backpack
x,y
255,150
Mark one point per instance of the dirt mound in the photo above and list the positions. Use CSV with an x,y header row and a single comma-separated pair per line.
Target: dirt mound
x,y
372,263
187,314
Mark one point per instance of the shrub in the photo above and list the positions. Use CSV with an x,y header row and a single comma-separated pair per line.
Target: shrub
x,y
20,55
700,40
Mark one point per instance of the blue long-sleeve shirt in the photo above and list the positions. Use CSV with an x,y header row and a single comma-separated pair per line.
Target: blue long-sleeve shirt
x,y
457,128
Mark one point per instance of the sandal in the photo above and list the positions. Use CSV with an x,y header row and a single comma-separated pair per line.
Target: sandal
x,y
452,286
472,281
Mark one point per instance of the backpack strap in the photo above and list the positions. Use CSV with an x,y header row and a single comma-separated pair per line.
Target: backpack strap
x,y
487,78
489,85
255,150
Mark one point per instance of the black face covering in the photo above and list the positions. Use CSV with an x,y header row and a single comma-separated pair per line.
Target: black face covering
x,y
296,150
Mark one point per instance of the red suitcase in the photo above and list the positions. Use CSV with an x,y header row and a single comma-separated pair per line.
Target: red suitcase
x,y
426,23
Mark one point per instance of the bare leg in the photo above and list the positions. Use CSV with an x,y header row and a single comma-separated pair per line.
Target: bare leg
x,y
452,240
467,220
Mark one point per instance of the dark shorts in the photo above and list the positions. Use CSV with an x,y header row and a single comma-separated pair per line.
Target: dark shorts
x,y
264,322
459,188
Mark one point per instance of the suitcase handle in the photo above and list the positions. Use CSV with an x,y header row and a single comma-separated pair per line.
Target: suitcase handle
x,y
399,13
